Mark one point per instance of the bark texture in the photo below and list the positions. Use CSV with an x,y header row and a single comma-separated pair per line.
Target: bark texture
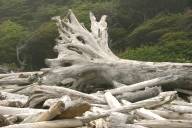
x,y
86,63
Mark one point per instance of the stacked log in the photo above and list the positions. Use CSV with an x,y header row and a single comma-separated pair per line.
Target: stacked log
x,y
98,89
60,107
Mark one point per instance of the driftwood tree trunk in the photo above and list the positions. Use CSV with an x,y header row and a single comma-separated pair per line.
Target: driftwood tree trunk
x,y
85,60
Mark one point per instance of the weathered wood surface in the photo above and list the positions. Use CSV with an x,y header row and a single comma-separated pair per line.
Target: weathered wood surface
x,y
120,91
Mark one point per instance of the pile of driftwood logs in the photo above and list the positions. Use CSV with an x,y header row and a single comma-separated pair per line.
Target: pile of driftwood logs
x,y
87,86
138,105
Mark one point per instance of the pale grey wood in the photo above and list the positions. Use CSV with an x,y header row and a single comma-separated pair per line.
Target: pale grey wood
x,y
86,63
166,123
173,115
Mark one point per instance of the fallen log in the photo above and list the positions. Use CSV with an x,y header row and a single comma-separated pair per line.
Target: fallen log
x,y
14,97
173,115
20,74
128,126
144,113
18,81
115,118
142,85
67,123
179,108
65,99
11,103
40,93
187,92
14,111
54,111
165,123
84,59
4,121
140,95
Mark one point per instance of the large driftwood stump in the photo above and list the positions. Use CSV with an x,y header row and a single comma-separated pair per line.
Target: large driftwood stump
x,y
86,63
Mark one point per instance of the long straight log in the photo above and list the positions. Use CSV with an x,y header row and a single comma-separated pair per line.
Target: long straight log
x,y
163,98
60,91
11,97
142,85
67,123
115,118
179,108
166,123
145,113
128,126
173,115
13,110
11,103
19,81
140,95
20,73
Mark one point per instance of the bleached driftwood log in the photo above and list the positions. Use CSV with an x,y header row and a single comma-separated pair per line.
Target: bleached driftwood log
x,y
140,95
144,113
115,118
4,121
22,78
40,93
14,111
54,111
166,123
172,115
86,63
179,108
13,97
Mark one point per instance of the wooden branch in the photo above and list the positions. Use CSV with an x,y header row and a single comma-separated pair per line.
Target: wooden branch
x,y
11,103
14,97
179,108
187,92
115,118
142,85
111,100
140,95
4,121
67,123
54,111
165,123
60,91
173,115
19,81
163,98
144,113
75,108
127,126
20,74
14,111
65,99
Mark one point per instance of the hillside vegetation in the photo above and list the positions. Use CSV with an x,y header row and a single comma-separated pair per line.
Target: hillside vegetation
x,y
162,38
142,30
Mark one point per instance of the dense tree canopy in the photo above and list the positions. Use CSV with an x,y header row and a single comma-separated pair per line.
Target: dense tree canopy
x,y
136,25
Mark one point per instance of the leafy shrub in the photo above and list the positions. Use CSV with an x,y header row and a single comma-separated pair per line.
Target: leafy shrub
x,y
11,35
174,51
164,25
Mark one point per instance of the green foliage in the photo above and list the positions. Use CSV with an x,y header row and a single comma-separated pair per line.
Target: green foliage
x,y
11,35
180,35
131,23
40,46
158,28
173,51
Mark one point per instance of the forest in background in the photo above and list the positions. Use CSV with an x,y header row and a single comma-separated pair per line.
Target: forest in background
x,y
148,30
